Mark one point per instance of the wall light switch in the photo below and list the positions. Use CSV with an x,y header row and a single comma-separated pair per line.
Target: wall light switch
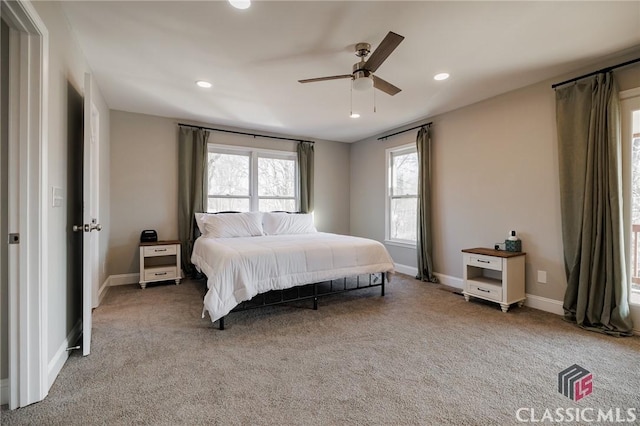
x,y
542,277
56,196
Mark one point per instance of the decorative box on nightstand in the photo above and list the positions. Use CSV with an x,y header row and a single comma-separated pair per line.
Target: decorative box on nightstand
x,y
160,261
494,275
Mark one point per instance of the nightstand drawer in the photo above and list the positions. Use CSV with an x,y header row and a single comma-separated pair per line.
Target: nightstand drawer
x,y
486,262
485,291
160,273
160,250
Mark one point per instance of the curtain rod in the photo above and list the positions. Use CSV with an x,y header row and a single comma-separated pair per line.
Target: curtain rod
x,y
603,70
255,135
406,130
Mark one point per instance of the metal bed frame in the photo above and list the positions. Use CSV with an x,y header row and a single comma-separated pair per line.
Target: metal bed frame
x,y
313,290
308,291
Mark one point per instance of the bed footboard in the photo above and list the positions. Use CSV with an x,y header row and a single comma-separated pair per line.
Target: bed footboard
x,y
312,291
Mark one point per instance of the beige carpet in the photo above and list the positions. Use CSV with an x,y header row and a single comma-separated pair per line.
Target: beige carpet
x,y
419,355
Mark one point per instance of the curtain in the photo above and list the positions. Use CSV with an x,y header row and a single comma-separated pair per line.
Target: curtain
x,y
425,234
305,165
589,156
192,170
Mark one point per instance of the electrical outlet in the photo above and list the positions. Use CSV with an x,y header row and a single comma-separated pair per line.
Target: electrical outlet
x,y
542,277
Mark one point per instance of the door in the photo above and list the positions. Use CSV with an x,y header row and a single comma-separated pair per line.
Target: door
x,y
90,243
631,185
83,207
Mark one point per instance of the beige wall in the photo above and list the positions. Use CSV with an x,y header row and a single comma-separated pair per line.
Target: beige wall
x,y
143,185
495,169
144,182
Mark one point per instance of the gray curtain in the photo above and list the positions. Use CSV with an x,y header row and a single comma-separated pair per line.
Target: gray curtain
x,y
589,146
305,164
192,168
425,234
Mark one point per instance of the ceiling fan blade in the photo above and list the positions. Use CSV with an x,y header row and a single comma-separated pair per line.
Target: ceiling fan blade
x,y
388,45
333,77
385,86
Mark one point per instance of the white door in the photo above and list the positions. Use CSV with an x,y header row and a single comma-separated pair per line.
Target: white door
x,y
90,242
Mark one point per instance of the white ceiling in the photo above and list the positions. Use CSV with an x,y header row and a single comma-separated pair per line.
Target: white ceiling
x,y
147,55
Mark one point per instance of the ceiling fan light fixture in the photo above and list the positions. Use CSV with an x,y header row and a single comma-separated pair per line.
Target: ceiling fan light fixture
x,y
362,83
203,84
441,76
240,4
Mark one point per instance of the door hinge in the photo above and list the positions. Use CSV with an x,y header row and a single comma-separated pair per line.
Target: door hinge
x,y
14,238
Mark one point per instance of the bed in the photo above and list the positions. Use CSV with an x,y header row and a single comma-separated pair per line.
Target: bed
x,y
245,255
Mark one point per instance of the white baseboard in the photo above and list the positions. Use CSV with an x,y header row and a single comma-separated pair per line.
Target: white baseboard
x,y
450,281
532,301
442,278
123,279
536,302
544,304
4,391
407,270
103,290
61,356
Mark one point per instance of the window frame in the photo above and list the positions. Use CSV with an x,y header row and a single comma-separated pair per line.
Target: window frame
x,y
389,155
630,101
254,155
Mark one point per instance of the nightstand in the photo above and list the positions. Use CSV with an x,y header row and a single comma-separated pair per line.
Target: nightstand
x,y
494,275
160,261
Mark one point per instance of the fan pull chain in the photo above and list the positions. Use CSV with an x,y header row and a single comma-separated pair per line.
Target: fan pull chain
x,y
351,94
374,99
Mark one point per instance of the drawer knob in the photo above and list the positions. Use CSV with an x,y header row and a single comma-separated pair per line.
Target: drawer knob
x,y
482,289
160,273
484,261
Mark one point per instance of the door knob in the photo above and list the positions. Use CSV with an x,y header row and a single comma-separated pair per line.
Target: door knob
x,y
96,227
80,228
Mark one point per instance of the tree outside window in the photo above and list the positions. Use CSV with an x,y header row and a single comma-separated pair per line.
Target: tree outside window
x,y
249,179
402,194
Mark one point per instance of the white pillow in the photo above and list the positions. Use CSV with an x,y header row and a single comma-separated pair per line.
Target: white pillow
x,y
229,225
200,219
285,223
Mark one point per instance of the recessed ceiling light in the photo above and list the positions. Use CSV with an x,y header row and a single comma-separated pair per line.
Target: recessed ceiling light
x,y
354,115
204,84
441,76
240,4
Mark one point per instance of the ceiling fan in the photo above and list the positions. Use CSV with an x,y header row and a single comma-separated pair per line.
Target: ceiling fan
x,y
362,74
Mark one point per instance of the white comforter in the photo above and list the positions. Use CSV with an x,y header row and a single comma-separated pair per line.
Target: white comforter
x,y
240,268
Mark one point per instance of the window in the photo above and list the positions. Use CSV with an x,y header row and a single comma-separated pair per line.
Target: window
x,y
248,179
402,195
276,184
631,186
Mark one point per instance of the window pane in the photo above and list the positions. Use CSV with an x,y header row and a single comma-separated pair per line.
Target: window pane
x,y
270,205
404,218
228,204
228,174
276,177
405,174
